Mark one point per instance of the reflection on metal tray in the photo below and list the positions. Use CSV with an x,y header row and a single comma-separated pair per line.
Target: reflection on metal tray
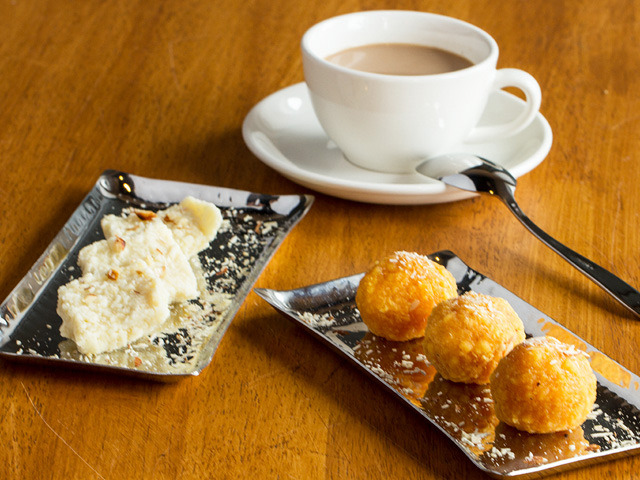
x,y
465,413
254,226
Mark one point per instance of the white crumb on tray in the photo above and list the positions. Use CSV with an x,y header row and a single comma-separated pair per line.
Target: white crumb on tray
x,y
317,320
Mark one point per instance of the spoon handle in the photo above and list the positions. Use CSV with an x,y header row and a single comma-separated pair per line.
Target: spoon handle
x,y
615,286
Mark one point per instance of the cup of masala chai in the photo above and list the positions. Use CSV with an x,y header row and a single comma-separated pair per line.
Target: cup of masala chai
x,y
392,88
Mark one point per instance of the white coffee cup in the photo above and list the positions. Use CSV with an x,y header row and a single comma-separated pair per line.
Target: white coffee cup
x,y
390,123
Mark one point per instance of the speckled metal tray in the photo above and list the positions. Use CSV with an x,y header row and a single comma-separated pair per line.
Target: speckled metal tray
x,y
464,413
254,226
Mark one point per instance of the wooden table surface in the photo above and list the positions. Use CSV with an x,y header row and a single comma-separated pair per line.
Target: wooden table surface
x,y
160,89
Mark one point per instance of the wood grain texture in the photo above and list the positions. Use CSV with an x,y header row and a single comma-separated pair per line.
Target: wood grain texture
x,y
160,89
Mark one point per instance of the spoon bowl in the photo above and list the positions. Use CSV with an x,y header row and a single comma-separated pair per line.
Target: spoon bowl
x,y
466,171
472,173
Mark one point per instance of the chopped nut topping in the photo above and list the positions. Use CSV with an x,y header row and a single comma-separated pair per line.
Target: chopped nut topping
x,y
144,214
119,244
222,271
112,274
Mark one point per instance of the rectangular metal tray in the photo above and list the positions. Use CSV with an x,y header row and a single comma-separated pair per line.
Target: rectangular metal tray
x,y
254,225
464,413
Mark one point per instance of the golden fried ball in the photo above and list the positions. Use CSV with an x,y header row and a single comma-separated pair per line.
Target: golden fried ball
x,y
396,296
467,336
544,386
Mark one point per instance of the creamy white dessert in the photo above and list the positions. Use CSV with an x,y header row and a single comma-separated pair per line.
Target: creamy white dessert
x,y
130,278
193,223
101,314
130,240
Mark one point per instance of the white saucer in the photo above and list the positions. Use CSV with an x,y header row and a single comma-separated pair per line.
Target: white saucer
x,y
283,131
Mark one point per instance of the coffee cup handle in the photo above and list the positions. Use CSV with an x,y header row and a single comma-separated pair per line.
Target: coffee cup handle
x,y
511,77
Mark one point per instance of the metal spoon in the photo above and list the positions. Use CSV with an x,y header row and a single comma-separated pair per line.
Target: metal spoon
x,y
475,174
